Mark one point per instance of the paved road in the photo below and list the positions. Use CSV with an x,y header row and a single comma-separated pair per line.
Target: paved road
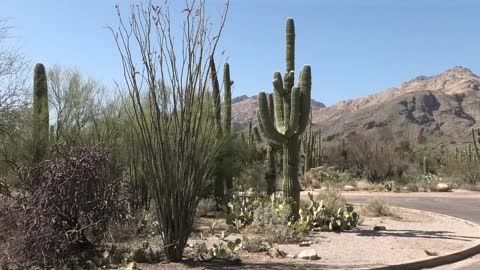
x,y
465,205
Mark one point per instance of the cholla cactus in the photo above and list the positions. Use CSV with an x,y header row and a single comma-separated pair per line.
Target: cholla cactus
x,y
286,118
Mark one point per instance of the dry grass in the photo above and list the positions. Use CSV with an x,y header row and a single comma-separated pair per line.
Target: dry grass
x,y
378,208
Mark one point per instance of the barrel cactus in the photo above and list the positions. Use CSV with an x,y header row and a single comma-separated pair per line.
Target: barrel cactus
x,y
286,118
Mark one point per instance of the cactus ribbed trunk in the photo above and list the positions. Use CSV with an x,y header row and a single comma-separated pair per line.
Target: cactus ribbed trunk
x,y
40,126
271,172
227,122
219,182
291,186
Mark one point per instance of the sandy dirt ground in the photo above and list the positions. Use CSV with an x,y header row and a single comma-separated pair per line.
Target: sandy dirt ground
x,y
408,238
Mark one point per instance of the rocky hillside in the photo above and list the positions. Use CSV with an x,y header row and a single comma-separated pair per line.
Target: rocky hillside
x,y
441,108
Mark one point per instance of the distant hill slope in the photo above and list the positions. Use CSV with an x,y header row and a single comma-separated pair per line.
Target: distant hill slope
x,y
436,109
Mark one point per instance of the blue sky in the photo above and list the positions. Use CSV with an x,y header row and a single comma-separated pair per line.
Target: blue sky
x,y
355,47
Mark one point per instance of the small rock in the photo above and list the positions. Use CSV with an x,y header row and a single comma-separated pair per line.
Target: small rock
x,y
91,265
131,265
292,256
305,244
349,188
442,187
308,254
276,253
97,261
379,228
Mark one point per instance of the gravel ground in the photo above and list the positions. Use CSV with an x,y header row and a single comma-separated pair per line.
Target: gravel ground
x,y
406,239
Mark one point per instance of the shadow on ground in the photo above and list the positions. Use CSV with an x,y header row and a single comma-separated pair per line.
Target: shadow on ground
x,y
217,265
416,234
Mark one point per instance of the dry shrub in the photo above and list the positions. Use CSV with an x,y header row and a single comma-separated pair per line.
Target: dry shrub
x,y
76,198
463,174
378,208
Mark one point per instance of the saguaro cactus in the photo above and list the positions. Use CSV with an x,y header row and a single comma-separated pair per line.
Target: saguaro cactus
x,y
223,125
40,125
476,142
227,120
286,119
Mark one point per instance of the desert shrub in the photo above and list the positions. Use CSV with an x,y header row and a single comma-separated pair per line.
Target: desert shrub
x,y
378,208
462,173
78,195
254,244
428,182
316,177
272,221
332,200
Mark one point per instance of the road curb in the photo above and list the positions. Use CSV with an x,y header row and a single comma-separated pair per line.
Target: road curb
x,y
438,260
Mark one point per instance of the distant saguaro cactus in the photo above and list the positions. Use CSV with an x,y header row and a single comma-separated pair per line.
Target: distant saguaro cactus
x,y
286,119
40,123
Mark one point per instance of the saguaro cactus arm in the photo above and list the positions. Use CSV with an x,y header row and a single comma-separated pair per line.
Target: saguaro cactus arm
x,y
305,98
266,120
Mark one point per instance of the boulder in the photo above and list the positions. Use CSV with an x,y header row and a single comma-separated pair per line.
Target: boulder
x,y
308,254
442,187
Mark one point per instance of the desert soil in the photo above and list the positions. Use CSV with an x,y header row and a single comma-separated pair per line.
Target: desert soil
x,y
406,239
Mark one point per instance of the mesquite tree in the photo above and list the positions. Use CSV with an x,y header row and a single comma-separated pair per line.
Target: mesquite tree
x,y
286,118
167,81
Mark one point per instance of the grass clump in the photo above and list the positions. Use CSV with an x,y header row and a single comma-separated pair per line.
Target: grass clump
x,y
378,208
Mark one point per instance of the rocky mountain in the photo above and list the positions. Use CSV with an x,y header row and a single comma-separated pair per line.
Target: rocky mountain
x,y
436,109
441,108
244,107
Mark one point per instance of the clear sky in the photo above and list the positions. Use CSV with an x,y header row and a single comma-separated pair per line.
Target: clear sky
x,y
355,47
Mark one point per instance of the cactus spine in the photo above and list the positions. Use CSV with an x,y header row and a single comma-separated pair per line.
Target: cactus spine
x,y
290,118
40,114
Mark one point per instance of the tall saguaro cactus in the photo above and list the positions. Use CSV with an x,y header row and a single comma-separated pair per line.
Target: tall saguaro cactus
x,y
227,120
286,119
40,113
223,125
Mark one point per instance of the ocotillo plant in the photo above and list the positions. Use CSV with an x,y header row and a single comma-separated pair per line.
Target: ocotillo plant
x,y
40,114
291,109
